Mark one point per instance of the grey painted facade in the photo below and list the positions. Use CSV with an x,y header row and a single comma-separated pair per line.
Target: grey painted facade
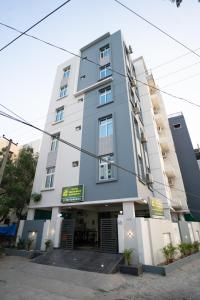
x,y
123,185
33,226
187,161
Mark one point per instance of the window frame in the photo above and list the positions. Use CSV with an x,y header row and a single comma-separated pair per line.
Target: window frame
x,y
105,51
55,142
105,69
66,71
107,167
105,93
106,125
59,114
63,91
49,178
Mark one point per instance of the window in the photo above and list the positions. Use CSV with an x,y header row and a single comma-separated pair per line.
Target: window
x,y
63,91
83,76
66,72
105,167
105,52
105,95
105,71
75,164
80,100
59,114
177,126
105,127
54,142
141,168
77,128
50,177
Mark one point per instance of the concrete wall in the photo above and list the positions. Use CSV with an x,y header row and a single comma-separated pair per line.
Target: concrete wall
x,y
187,161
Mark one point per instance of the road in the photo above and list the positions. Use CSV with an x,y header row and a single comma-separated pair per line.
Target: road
x,y
20,279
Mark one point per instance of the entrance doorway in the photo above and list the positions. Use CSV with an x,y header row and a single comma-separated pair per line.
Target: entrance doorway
x,y
90,230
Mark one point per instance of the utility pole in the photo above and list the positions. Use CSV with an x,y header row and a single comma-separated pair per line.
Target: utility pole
x,y
5,158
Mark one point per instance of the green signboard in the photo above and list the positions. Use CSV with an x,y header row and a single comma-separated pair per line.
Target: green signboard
x,y
72,194
156,208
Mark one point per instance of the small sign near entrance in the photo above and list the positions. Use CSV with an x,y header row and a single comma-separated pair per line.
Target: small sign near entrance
x,y
72,194
156,208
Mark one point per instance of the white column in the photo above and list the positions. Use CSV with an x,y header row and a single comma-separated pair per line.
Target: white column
x,y
31,214
20,230
130,231
55,225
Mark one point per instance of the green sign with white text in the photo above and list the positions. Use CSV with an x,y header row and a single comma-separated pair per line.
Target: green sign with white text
x,y
72,194
156,208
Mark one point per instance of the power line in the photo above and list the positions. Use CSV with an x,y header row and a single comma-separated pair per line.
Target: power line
x,y
150,69
35,24
88,152
114,71
156,27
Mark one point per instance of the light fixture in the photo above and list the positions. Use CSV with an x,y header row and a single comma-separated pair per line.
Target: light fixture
x,y
33,233
106,205
130,234
59,215
121,212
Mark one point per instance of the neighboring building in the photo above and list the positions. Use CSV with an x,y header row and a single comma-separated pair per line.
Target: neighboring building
x,y
14,149
90,202
187,161
35,144
197,154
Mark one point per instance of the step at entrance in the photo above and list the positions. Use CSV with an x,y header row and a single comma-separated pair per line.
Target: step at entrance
x,y
81,260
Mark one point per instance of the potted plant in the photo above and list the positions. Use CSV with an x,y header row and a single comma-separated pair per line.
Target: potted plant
x,y
48,244
28,244
21,245
169,252
36,197
128,267
195,246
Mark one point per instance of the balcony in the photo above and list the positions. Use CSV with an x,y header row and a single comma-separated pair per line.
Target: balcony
x,y
170,172
159,121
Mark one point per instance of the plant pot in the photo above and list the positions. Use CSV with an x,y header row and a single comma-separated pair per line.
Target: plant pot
x,y
135,270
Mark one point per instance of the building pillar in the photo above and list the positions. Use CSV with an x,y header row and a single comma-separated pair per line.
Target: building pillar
x,y
55,227
130,230
30,214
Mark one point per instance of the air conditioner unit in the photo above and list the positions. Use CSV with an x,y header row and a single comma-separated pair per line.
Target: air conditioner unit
x,y
133,82
130,49
143,138
136,109
149,178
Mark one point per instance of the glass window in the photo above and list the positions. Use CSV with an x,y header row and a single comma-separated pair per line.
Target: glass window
x,y
59,114
54,142
63,91
66,72
105,71
105,95
50,177
105,126
75,164
105,52
106,168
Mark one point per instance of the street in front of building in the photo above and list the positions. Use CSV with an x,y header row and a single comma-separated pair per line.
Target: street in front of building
x,y
22,279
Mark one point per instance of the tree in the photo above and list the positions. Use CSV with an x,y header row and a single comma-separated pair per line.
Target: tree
x,y
17,183
178,2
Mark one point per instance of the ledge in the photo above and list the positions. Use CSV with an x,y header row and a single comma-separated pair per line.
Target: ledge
x,y
46,190
106,180
94,86
101,105
55,123
164,270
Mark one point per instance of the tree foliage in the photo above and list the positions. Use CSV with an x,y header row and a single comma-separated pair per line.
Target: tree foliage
x,y
178,2
17,183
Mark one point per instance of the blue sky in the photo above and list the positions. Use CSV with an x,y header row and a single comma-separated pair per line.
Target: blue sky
x,y
27,67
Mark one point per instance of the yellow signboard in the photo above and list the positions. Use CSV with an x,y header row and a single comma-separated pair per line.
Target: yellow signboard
x,y
72,194
156,208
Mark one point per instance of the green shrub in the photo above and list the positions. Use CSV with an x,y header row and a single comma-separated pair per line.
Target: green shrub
x,y
185,249
21,245
169,252
195,246
127,256
36,197
28,244
48,244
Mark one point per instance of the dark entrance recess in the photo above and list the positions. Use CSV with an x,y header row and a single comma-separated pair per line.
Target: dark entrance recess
x,y
108,235
67,234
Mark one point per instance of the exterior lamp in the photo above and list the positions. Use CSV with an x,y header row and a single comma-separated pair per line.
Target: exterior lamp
x,y
130,234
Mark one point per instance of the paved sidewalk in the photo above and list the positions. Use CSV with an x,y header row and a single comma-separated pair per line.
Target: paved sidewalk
x,y
20,279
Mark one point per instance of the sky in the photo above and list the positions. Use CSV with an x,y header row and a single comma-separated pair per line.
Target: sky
x,y
28,67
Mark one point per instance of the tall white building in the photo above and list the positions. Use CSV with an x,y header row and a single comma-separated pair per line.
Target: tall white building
x,y
89,202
